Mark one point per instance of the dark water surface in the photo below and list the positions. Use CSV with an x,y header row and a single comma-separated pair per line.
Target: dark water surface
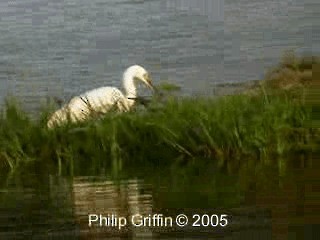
x,y
261,202
62,48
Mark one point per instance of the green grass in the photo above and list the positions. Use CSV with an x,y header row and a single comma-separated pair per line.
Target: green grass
x,y
270,124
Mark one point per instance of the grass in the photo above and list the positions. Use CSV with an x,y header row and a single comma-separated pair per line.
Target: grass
x,y
275,121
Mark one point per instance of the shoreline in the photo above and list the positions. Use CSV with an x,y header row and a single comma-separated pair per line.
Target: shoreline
x,y
224,89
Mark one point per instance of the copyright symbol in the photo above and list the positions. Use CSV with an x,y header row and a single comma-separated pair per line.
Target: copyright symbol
x,y
181,220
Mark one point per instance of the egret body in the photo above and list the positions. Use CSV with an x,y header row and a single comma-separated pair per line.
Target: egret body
x,y
103,99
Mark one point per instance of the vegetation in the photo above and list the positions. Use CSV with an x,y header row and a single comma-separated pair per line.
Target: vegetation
x,y
277,120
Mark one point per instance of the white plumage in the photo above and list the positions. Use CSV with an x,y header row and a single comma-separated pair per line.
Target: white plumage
x,y
101,100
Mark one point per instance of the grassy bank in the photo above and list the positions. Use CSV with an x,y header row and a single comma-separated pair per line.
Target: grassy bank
x,y
275,119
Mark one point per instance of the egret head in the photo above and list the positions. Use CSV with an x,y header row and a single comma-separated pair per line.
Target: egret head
x,y
140,74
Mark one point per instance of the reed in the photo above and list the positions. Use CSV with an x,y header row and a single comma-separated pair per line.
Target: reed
x,y
271,123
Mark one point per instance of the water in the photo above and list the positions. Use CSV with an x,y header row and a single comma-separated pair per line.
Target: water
x,y
260,201
62,48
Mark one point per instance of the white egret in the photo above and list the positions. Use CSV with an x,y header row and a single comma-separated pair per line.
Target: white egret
x,y
102,100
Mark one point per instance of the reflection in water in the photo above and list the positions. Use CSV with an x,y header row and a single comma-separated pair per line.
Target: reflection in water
x,y
272,207
293,200
29,210
113,201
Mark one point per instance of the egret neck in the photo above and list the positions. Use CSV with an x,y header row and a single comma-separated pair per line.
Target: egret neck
x,y
129,87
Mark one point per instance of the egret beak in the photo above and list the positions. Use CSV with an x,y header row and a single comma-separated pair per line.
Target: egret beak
x,y
148,81
152,87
